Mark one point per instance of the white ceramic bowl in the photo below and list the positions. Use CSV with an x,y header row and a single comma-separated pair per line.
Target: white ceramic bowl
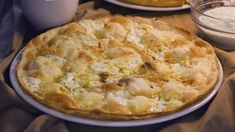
x,y
212,26
45,14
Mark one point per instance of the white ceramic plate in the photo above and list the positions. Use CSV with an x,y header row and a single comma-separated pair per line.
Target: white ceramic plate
x,y
147,8
109,123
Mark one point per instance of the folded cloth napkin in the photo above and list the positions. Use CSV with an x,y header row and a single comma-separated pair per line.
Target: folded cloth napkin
x,y
16,115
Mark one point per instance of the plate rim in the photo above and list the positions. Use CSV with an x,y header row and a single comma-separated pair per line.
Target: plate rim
x,y
108,123
147,8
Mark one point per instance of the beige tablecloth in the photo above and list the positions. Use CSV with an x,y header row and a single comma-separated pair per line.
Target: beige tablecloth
x,y
216,116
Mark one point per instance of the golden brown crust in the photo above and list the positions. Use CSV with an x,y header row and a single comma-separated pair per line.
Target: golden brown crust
x,y
59,101
49,59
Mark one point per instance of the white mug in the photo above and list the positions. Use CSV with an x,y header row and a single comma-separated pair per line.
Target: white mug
x,y
44,14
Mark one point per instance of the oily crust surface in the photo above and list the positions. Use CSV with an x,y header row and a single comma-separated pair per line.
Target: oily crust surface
x,y
158,3
117,68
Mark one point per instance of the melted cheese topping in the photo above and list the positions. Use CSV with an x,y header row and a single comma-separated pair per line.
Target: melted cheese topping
x,y
118,65
32,83
56,59
69,81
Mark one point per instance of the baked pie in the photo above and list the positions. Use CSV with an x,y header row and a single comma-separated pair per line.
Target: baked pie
x,y
158,3
118,68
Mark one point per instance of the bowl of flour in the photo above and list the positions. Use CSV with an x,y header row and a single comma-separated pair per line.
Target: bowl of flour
x,y
216,19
